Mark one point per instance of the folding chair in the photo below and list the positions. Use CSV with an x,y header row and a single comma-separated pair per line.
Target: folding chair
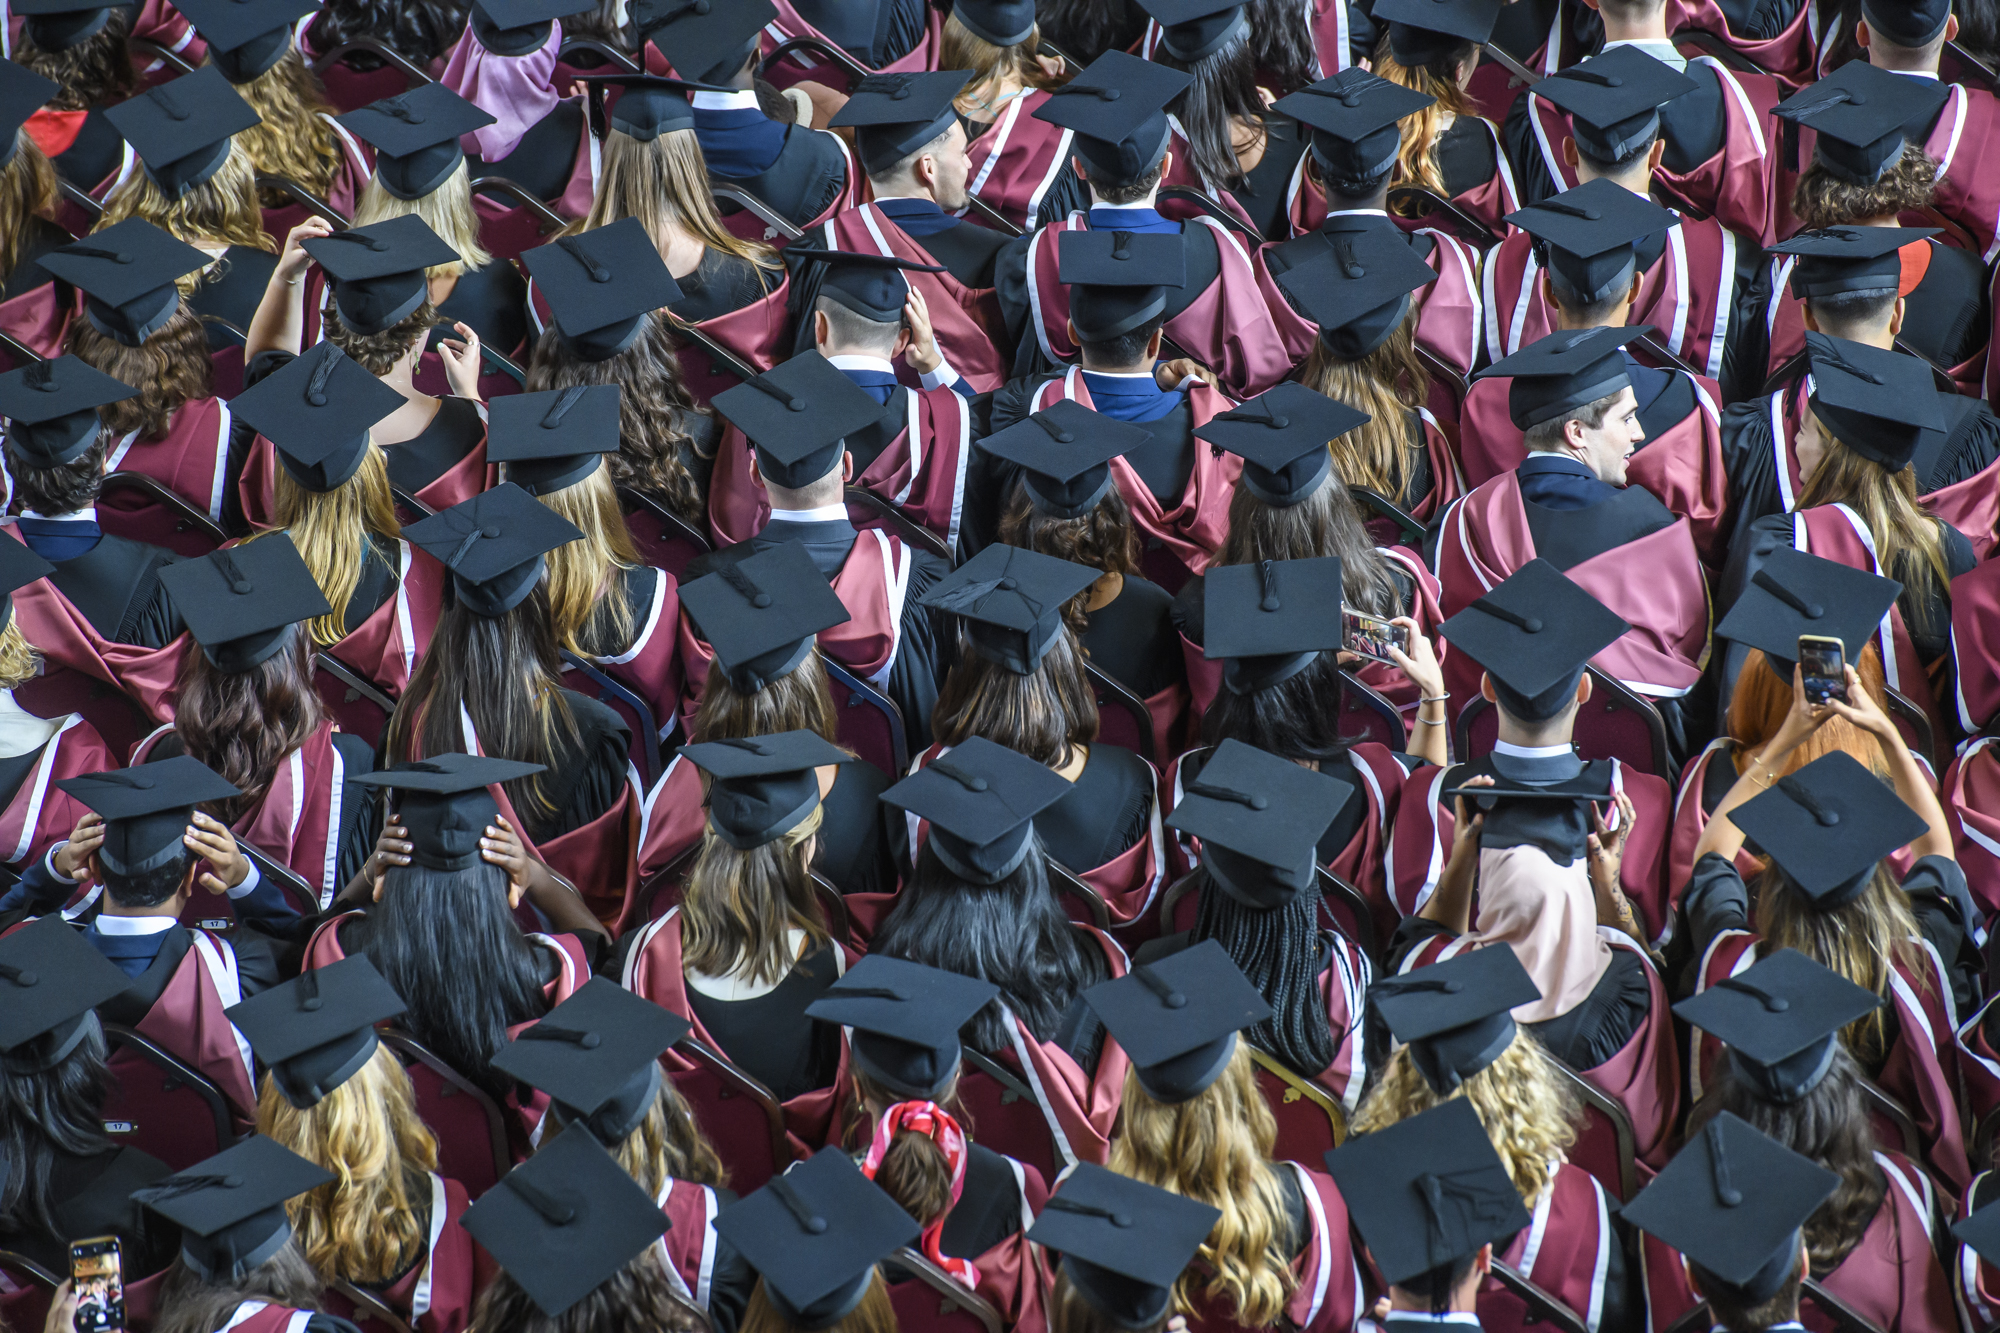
x,y
300,894
1468,227
14,355
1389,525
664,538
1201,203
1343,907
1073,891
622,700
1895,1127
350,88
992,218
27,1306
362,1307
1366,715
776,226
1176,904
1005,1115
867,721
881,511
162,1105
932,1301
838,922
1310,1120
141,509
1915,724
471,1129
1123,718
750,1139
409,509
356,702
1522,1303
1708,44
849,66
521,227
1605,1145
723,369
587,57
147,50
227,346
300,204
1961,66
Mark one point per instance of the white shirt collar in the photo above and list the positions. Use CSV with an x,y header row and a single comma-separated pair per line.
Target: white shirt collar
x,y
1930,74
846,361
1426,1317
1530,751
823,514
132,925
1358,213
21,731
1663,51
1122,374
87,514
745,100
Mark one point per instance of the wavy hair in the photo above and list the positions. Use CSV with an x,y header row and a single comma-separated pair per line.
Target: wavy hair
x,y
19,662
740,906
1822,199
639,1296
1223,94
1862,940
1327,522
669,1145
1416,160
1281,43
331,530
1909,544
664,184
584,581
447,210
244,724
1105,539
169,369
1762,699
27,190
419,30
55,1113
378,353
294,140
221,210
992,66
1389,385
800,700
95,72
1046,715
190,1303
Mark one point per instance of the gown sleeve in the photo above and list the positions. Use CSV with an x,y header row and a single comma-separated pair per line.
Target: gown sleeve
x,y
925,655
1716,899
360,808
1948,919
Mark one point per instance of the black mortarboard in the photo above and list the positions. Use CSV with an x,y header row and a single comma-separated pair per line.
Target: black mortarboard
x,y
981,800
704,39
1178,1016
246,37
1118,109
444,803
1781,1019
316,411
314,1032
415,135
872,286
601,284
1591,783
1907,22
1864,117
519,27
815,1234
554,439
127,274
51,409
565,1221
904,1020
1259,819
22,93
1422,31
58,25
1271,620
763,787
1456,1017
495,546
19,566
648,105
1428,1191
893,115
1979,1231
1614,100
1534,634
51,980
231,1208
760,613
1563,372
1011,600
1123,1243
1356,120
1827,825
597,1056
798,416
1118,280
241,603
1876,402
1000,22
147,809
1832,260
1793,593
1732,1202
379,271
181,129
1590,236
1282,437
1192,30
1064,454
1357,289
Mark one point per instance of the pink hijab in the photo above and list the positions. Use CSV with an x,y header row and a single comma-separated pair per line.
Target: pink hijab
x,y
515,90
1549,914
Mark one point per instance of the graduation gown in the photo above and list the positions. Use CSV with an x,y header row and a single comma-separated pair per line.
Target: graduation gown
x,y
37,814
988,1227
1893,1277
261,1317
646,662
1017,158
1570,1250
446,463
436,1294
1965,140
387,642
90,1196
121,586
1970,789
904,40
813,177
702,1271
537,163
1976,1281
1785,41
35,309
194,459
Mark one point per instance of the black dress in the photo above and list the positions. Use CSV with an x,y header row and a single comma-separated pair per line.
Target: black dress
x,y
493,301
861,841
721,283
542,162
116,587
1132,639
1105,811
454,432
587,777
42,237
770,1038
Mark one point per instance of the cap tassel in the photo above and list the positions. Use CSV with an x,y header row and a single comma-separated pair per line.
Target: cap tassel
x,y
1824,357
754,744
745,586
573,246
1726,1192
785,396
868,993
226,562
309,1001
1764,579
1570,210
1412,985
321,376
1526,624
1461,1187
552,1211
20,976
546,1031
1101,93
1115,1218
97,252
170,104
1054,432
788,1194
1263,413
1776,1004
375,243
1171,998
1215,792
1267,583
562,406
1802,795
41,376
972,782
1121,245
1581,74
1343,253
179,1185
398,108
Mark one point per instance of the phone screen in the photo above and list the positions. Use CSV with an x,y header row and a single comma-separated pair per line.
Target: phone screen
x,y
1372,637
1822,664
97,1273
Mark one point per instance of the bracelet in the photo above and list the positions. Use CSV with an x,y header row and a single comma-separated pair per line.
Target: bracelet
x,y
1434,699
1430,721
296,281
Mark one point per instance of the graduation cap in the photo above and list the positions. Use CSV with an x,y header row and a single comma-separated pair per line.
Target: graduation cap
x,y
520,27
315,1032
597,1056
494,545
316,411
1259,819
1064,454
1614,100
893,115
1563,372
241,603
1863,117
553,440
59,25
444,803
1908,22
1118,280
872,286
51,982
704,39
1793,593
601,284
1117,108
415,135
764,786
1356,120
1827,825
181,129
22,93
760,613
1123,1243
1193,29
998,22
1178,1016
798,416
231,1208
1357,289
815,1234
1534,634
379,271
904,1020
51,409
1270,620
1591,234
127,274
981,800
1832,260
1011,601
1423,31
147,809
648,105
246,37
1427,1192
1781,1020
1282,437
19,566
566,1220
1456,1017
1876,402
1732,1201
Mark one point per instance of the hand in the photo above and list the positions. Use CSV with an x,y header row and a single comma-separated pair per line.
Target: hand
x,y
1859,709
1173,374
73,857
1420,664
1051,65
1465,822
461,361
1178,1324
1801,721
503,847
211,840
1606,846
392,848
923,354
62,1310
294,261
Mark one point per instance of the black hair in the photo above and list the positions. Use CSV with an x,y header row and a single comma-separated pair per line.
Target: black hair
x,y
1727,1307
59,490
419,30
1127,348
1589,313
1281,44
1224,90
1279,950
55,1112
1435,1285
1837,313
149,888
1617,166
1086,29
1294,719
1124,193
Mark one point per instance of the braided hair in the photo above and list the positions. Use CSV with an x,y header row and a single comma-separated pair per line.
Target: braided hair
x,y
1279,952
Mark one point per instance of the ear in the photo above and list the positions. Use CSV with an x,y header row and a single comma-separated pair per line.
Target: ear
x,y
1591,3
1076,165
1074,340
1861,33
1549,291
1657,154
755,475
1694,1285
1896,319
846,466
1486,689
1583,686
822,329
902,342
1632,297
515,893
1570,156
1482,1263
1166,164
1812,325
1154,343
1951,28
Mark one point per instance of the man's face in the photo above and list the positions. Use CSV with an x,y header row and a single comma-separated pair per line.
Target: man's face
x,y
1605,449
954,168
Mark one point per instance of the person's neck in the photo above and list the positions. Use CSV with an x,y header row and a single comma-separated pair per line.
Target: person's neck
x,y
1880,220
1873,335
1651,28
1135,368
170,908
1150,201
402,377
1536,735
1569,322
1374,203
831,350
1885,54
818,496
901,189
1638,178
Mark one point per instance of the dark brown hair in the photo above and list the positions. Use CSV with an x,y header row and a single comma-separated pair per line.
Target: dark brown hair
x,y
800,700
1327,522
379,352
189,1303
169,369
27,189
1044,715
63,489
914,1171
1104,539
95,72
637,1297
1824,200
244,724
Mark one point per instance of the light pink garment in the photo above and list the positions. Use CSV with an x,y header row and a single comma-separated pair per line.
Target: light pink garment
x,y
1548,913
515,90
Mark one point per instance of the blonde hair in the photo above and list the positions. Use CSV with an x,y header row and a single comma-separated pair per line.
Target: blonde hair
x,y
331,530
1862,940
1908,542
991,65
447,210
1388,385
222,210
664,184
668,1145
27,189
583,576
294,140
18,659
1416,159
740,907
1216,1148
367,1225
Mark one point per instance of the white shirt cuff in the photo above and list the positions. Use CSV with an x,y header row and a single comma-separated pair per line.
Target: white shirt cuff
x,y
941,378
249,884
49,861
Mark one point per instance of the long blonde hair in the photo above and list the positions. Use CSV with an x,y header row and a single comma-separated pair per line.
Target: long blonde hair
x,y
664,184
1216,1148
294,140
447,210
331,530
991,65
583,575
1416,159
1861,940
367,1225
1388,384
669,1145
18,659
222,210
740,907
27,189
1908,543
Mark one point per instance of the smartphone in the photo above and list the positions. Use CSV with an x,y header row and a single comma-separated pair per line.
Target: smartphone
x,y
97,1274
1822,668
1372,637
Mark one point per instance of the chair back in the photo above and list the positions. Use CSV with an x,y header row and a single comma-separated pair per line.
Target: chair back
x,y
867,721
930,1300
470,1127
61,690
139,508
160,1104
1310,1120
1605,1145
1003,1114
358,704
664,538
741,1117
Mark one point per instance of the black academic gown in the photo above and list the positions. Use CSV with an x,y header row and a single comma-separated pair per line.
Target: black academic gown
x,y
27,273
1132,638
875,32
116,586
1691,125
542,162
721,283
454,432
92,1196
94,154
232,290
492,300
801,184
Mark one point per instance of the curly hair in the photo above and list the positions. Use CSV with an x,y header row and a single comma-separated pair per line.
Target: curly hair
x,y
169,369
19,662
95,72
1416,160
294,140
245,724
1389,385
1104,539
378,353
740,906
221,210
1824,200
59,490
27,189
421,31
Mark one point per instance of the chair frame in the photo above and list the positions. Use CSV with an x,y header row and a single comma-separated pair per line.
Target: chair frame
x,y
368,1305
28,1268
638,501
1129,703
371,46
20,351
1901,708
1333,887
1441,369
651,766
305,199
738,367
522,197
1978,70
360,686
1596,1098
77,195
1540,1302
1845,1316
1064,880
1470,227
838,922
1711,45
1311,1091
411,502
152,488
1374,701
1601,684
403,1044
1506,60
303,895
147,49
955,1294
767,1101
1383,507
1186,194
898,520
117,1034
818,46
899,742
1878,1102
992,217
750,203
623,62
